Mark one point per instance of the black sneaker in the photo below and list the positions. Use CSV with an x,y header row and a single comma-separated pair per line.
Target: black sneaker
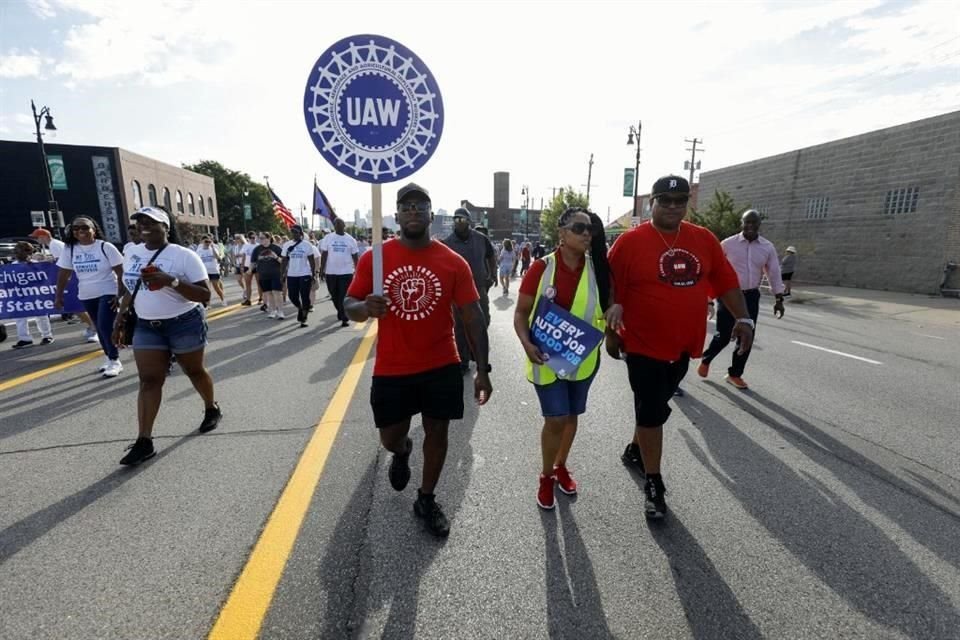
x,y
427,509
245,303
632,459
140,451
344,323
211,418
653,491
263,307
399,472
47,341
22,343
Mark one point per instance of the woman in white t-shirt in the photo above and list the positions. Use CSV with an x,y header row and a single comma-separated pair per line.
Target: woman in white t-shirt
x,y
211,255
173,288
98,266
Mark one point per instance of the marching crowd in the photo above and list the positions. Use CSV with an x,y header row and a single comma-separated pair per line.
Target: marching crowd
x,y
645,301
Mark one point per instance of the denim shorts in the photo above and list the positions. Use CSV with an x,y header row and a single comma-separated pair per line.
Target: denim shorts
x,y
564,397
184,334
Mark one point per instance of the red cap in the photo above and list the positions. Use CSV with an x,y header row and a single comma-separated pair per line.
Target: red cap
x,y
39,232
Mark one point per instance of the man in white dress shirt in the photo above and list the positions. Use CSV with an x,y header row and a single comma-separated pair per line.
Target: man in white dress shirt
x,y
751,255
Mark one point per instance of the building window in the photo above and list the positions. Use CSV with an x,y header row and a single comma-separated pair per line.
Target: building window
x,y
190,207
210,205
179,201
152,195
902,200
203,210
166,200
137,196
817,208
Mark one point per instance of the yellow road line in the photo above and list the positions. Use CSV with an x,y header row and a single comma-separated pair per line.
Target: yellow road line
x,y
30,377
245,609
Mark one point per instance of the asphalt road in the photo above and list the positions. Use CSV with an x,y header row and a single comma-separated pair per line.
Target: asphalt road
x,y
823,503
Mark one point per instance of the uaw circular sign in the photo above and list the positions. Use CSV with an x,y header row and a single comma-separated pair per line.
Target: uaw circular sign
x,y
373,109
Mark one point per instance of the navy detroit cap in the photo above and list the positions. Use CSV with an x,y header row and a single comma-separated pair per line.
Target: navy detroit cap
x,y
670,184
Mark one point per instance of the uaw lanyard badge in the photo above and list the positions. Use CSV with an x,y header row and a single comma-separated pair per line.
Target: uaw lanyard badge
x,y
374,112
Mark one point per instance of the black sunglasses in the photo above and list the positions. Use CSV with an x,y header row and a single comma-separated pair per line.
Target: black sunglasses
x,y
420,206
81,227
580,227
666,201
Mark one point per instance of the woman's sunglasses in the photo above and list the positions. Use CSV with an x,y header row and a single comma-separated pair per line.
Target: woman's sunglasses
x,y
579,228
81,227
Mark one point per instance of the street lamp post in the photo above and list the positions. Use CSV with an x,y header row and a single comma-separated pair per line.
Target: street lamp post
x,y
52,207
244,212
636,168
525,213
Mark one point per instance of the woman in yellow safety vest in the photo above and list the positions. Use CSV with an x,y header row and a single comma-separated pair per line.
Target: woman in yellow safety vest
x,y
582,287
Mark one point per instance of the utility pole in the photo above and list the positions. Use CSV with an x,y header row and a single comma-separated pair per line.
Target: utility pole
x,y
636,167
589,175
693,165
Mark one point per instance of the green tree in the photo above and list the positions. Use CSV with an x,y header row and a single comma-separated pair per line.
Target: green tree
x,y
549,216
721,216
229,186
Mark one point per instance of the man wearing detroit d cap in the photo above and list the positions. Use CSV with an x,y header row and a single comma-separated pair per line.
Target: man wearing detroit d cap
x,y
417,368
663,272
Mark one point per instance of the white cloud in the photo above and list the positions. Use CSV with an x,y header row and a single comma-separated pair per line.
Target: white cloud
x,y
21,65
42,9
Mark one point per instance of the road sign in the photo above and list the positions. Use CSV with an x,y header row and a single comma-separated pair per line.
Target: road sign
x,y
373,109
38,218
58,174
247,212
628,179
523,216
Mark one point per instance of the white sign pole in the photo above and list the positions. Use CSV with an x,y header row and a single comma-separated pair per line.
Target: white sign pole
x,y
376,196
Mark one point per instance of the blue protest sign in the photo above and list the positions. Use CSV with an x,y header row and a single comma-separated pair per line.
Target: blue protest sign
x,y
567,339
28,289
373,109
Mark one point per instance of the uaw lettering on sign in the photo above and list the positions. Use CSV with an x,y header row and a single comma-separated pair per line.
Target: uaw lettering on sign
x,y
108,201
29,289
556,332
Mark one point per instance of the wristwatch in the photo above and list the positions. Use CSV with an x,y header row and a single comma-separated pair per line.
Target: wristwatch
x,y
746,321
175,283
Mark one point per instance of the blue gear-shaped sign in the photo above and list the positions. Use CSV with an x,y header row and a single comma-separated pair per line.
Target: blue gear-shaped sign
x,y
373,109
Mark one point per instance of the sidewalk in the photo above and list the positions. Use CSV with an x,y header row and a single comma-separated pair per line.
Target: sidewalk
x,y
909,307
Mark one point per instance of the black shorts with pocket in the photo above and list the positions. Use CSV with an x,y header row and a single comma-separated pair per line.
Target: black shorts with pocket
x,y
436,394
787,277
653,383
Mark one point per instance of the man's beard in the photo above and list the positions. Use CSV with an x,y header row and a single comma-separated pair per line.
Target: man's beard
x,y
415,235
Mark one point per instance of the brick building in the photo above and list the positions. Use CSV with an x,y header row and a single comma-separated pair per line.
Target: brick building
x,y
879,210
501,219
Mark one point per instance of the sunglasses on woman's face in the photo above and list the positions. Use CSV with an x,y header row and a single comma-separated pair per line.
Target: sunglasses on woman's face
x,y
579,228
81,227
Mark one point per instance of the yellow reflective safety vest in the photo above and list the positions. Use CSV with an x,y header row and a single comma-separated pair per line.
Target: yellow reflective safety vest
x,y
586,306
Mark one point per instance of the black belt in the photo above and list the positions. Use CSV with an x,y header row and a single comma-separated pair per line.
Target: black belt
x,y
757,289
156,324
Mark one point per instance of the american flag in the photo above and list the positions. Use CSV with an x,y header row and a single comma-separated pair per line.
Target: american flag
x,y
280,210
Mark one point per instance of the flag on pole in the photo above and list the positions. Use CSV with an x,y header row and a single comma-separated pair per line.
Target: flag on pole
x,y
280,210
322,206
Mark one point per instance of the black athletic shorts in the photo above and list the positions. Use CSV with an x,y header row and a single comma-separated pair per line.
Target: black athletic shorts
x,y
437,394
213,276
270,283
786,277
653,383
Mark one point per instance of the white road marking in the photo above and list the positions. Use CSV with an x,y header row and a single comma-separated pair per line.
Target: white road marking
x,y
839,353
927,335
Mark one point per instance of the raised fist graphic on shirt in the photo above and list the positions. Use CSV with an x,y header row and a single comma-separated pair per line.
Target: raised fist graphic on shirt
x,y
412,291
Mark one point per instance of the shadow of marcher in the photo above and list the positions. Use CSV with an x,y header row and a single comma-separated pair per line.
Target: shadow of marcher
x,y
574,606
503,303
387,564
848,553
26,531
909,508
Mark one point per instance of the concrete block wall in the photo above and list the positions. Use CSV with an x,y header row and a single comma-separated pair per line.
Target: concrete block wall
x,y
856,243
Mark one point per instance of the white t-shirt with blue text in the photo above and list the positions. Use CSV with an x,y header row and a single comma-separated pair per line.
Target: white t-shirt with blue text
x,y
340,251
299,256
93,264
210,258
179,262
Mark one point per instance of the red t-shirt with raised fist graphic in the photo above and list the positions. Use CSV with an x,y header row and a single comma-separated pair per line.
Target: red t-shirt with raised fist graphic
x,y
422,287
663,280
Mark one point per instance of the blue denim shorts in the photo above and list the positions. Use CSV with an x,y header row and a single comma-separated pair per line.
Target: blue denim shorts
x,y
184,334
564,397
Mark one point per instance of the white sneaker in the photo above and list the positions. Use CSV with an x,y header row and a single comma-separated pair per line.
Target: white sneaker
x,y
280,315
113,369
90,336
272,315
103,364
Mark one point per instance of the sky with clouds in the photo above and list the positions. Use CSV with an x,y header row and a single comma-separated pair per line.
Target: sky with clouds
x,y
531,87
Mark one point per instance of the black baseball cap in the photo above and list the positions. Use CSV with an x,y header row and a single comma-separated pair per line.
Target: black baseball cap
x,y
461,213
670,184
412,189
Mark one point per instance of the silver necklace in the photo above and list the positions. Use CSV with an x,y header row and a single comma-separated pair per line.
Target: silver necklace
x,y
670,250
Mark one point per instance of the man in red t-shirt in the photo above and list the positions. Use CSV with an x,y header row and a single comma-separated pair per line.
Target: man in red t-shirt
x,y
417,368
663,273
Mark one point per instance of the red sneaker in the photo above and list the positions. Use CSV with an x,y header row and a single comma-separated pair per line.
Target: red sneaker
x,y
545,493
564,480
704,369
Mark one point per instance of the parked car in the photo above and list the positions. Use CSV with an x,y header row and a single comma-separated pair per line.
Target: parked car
x,y
7,244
